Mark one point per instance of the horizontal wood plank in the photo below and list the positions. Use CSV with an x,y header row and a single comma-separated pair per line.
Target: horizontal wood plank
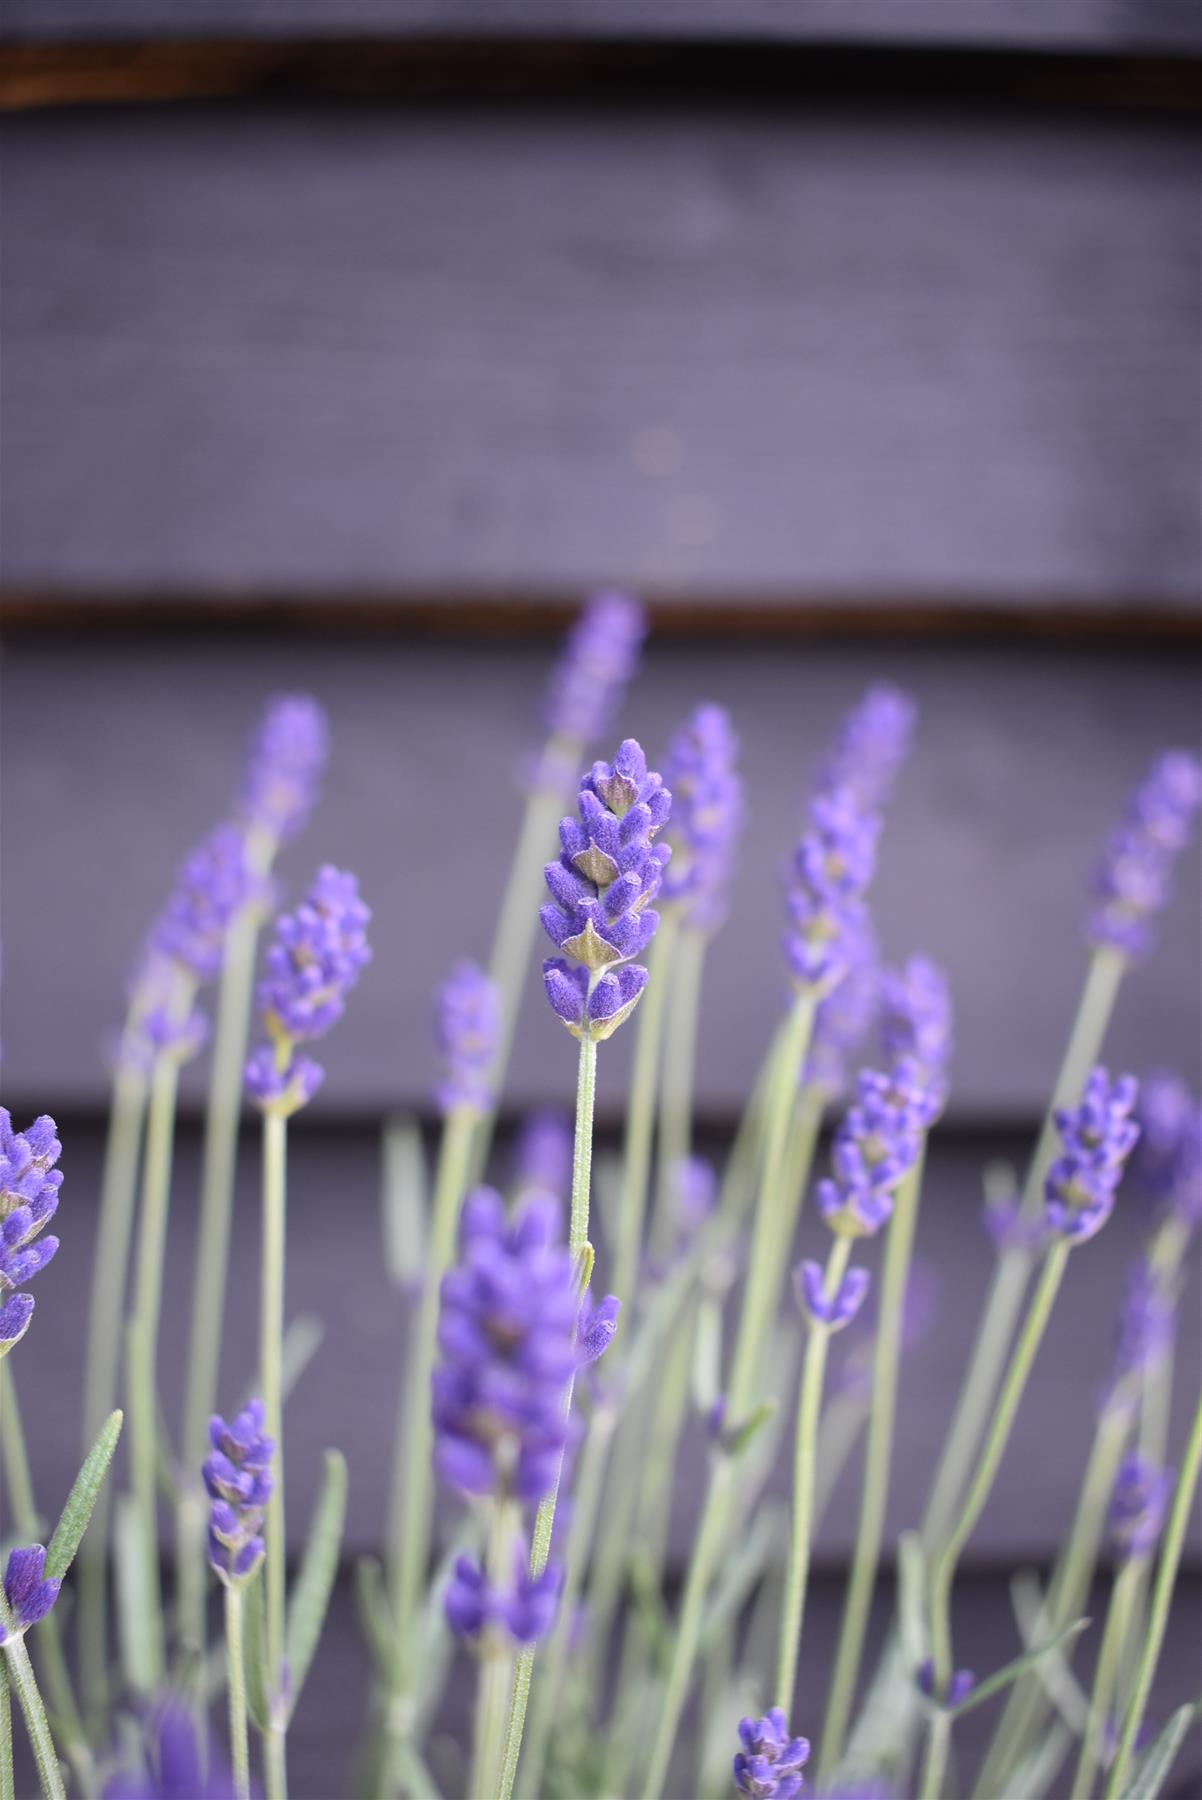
x,y
714,351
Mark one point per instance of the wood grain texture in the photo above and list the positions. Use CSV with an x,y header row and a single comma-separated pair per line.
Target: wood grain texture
x,y
114,757
805,352
1052,24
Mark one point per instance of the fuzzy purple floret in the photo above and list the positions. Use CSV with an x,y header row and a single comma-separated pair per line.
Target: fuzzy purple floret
x,y
841,1309
1096,1139
524,1611
467,1019
1132,882
238,1479
769,1765
29,1194
707,816
28,1591
287,755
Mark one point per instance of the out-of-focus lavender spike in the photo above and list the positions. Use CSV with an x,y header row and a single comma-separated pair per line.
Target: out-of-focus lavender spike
x,y
599,659
523,1612
1144,1332
871,745
183,1766
542,1161
467,1018
287,756
29,1192
1167,1164
1096,1138
916,1023
1138,1505
844,1019
707,815
1132,881
824,893
215,882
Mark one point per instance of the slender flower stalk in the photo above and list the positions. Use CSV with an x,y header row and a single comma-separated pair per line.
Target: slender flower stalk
x,y
641,1108
1158,1618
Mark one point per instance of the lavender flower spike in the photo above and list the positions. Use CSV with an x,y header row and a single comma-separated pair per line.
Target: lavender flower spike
x,y
1138,1505
875,1144
873,742
1146,1321
1167,1165
833,1314
601,886
215,883
317,957
916,1024
770,1763
287,756
1096,1138
524,1611
468,1018
29,1595
237,1476
599,658
832,868
707,815
29,1190
1132,881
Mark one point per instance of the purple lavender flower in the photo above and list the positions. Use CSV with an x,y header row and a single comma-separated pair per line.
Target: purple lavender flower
x,y
507,1336
1096,1139
916,1023
707,815
770,1763
1138,1505
1132,882
524,1611
873,742
599,658
596,1327
844,1018
28,1593
841,1309
237,1476
601,886
182,1768
832,867
29,1190
214,884
875,1144
1144,1334
317,957
468,1019
959,1687
543,1153
1167,1166
287,755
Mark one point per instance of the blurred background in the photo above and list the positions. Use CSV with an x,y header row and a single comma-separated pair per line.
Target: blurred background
x,y
348,343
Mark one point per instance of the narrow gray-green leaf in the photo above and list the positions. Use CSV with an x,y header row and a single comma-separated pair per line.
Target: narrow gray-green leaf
x,y
911,1582
1002,1677
73,1521
707,1355
371,1604
1053,1673
404,1201
319,1565
1155,1767
254,1641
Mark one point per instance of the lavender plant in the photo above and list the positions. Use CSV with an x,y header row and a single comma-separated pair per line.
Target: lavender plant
x,y
557,1471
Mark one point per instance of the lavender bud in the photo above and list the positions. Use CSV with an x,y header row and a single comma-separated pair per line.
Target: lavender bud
x,y
1138,1506
29,1596
833,1314
1167,1165
237,1477
959,1687
873,742
596,1327
468,1019
29,1191
287,756
599,658
1132,882
1096,1138
770,1763
875,1145
707,816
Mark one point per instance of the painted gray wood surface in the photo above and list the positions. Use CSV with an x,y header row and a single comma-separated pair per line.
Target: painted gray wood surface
x,y
349,1394
116,755
1045,24
802,353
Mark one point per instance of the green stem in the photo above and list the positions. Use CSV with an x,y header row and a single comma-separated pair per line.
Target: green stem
x,y
944,1572
809,1410
1162,1596
8,1790
110,1264
640,1111
143,1346
495,1673
271,1335
544,1521
211,1266
934,1762
886,1360
996,1330
21,1675
1100,1700
239,1747
676,1102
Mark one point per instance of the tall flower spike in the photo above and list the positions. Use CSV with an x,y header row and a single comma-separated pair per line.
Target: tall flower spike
x,y
831,870
318,955
1096,1139
29,1190
287,755
1132,882
1167,1165
916,1024
707,815
769,1765
28,1593
876,1143
237,1476
599,658
608,872
214,884
468,1019
1138,1505
873,742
